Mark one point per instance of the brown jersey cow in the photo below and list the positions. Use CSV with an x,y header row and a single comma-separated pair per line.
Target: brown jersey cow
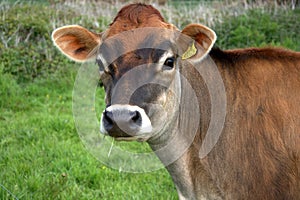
x,y
226,124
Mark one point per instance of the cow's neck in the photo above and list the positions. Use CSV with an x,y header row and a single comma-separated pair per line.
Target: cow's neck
x,y
188,170
176,164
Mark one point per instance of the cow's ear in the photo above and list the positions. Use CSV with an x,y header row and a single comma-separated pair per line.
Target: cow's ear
x,y
76,42
198,41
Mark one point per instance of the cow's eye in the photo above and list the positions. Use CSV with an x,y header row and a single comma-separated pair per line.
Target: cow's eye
x,y
169,63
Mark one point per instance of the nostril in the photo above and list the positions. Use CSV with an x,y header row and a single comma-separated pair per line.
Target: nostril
x,y
108,117
136,116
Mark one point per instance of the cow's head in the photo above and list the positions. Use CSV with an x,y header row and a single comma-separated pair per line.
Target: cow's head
x,y
139,58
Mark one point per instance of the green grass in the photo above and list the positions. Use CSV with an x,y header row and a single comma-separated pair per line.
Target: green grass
x,y
41,153
42,156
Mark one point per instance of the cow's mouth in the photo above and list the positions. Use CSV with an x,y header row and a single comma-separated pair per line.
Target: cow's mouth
x,y
121,136
131,138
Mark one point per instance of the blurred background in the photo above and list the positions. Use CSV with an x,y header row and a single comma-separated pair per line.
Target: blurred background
x,y
41,155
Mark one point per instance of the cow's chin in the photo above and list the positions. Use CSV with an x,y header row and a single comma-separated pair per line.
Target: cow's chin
x,y
131,138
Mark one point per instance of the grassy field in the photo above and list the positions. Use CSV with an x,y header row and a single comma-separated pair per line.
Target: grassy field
x,y
41,154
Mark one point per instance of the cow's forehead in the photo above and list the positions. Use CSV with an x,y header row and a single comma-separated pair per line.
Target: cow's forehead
x,y
136,40
148,36
119,27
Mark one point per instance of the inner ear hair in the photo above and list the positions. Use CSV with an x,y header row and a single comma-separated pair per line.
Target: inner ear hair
x,y
203,35
76,42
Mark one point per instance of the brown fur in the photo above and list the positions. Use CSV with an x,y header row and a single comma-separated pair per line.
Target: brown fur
x,y
258,153
137,16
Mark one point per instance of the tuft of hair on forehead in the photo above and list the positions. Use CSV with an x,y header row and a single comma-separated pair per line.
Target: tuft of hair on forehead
x,y
137,13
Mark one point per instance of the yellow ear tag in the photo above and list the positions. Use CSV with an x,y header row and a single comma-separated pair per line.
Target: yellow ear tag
x,y
191,51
